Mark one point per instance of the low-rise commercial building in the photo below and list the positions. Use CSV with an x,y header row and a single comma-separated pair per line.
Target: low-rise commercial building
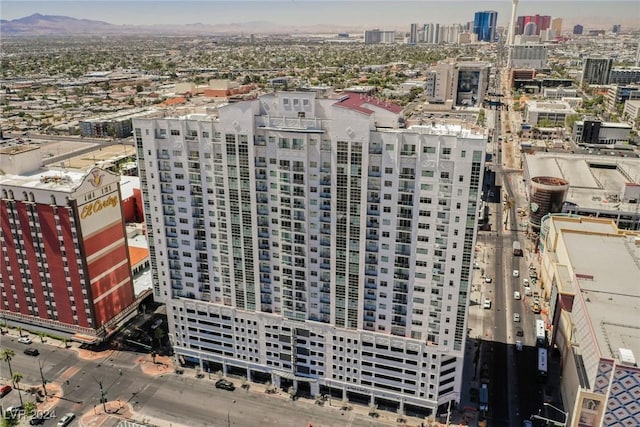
x,y
599,186
618,94
549,112
593,297
116,125
631,112
595,132
559,92
625,76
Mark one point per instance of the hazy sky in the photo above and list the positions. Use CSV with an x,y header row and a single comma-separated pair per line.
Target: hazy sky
x,y
355,13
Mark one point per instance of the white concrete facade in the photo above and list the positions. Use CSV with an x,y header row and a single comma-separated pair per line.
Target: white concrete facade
x,y
553,112
529,56
313,240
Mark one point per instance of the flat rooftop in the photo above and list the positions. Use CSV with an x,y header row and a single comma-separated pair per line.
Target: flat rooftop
x,y
52,179
548,106
608,279
11,149
595,182
458,130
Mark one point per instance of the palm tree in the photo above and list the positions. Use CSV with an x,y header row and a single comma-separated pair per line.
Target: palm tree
x,y
159,334
17,377
7,355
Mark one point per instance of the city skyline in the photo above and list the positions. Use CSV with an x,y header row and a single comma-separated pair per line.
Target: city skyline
x,y
349,14
315,212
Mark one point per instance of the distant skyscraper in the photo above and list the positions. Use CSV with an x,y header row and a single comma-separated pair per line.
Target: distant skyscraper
x,y
372,36
616,29
540,22
377,36
596,71
413,34
577,29
484,25
431,33
556,26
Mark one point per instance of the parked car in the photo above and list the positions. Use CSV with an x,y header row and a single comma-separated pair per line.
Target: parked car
x,y
66,419
5,390
25,340
527,291
488,279
225,385
487,303
516,295
31,351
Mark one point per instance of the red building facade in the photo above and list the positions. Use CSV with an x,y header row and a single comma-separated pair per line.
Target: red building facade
x,y
541,22
66,264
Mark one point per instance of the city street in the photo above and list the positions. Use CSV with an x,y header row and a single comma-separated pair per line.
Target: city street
x,y
515,391
517,394
164,399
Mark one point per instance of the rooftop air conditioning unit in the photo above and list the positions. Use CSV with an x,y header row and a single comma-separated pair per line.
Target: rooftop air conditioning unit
x,y
627,357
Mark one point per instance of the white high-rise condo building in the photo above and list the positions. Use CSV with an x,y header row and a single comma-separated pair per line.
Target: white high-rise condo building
x,y
315,243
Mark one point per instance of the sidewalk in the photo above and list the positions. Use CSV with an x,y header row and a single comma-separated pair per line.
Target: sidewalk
x,y
162,365
361,411
115,411
120,410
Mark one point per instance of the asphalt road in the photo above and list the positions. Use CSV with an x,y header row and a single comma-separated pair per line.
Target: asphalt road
x,y
515,392
164,399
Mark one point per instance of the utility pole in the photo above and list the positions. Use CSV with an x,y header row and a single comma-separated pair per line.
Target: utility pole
x,y
44,382
103,395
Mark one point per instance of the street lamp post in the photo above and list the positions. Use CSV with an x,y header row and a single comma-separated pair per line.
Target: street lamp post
x,y
549,420
566,414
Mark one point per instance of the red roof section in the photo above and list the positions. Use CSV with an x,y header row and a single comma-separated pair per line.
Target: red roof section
x,y
360,101
137,255
174,101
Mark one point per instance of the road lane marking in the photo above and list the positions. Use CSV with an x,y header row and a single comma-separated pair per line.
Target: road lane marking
x,y
68,373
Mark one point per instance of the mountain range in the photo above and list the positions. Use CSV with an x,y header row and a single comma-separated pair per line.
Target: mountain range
x,y
37,24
